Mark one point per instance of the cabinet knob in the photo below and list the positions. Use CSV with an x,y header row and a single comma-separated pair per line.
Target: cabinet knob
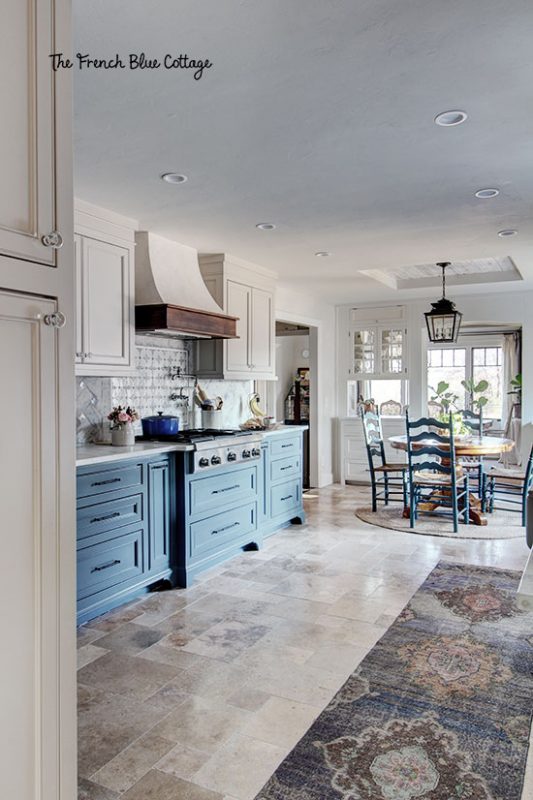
x,y
55,320
52,239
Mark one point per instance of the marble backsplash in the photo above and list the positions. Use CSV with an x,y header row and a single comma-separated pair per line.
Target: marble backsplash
x,y
164,367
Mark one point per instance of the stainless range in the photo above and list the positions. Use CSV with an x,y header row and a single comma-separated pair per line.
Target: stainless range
x,y
214,449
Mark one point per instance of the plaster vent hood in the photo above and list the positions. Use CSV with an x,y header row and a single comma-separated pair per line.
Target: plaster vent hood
x,y
171,298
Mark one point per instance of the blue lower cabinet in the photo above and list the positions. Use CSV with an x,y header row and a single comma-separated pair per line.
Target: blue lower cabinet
x,y
283,480
124,523
159,503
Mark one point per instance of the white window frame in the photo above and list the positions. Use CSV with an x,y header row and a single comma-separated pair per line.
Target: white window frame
x,y
489,340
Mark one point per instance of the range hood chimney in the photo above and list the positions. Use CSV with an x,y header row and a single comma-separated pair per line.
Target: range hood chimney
x,y
171,298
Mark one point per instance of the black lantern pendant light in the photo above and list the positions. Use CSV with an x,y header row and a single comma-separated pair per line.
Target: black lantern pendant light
x,y
443,321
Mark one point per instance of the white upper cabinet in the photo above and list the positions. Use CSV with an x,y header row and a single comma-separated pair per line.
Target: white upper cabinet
x,y
247,292
105,290
238,305
261,344
28,196
377,342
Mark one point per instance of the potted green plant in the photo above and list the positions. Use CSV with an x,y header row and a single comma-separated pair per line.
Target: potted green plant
x,y
477,399
448,400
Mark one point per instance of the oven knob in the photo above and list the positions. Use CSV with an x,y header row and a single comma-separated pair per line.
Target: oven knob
x,y
256,451
246,454
204,462
216,460
232,456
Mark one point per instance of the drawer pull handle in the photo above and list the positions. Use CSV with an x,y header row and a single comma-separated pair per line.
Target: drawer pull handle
x,y
226,489
227,528
287,445
109,480
282,469
287,497
106,566
106,516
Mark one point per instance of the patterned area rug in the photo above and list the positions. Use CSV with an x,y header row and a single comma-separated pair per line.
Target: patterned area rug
x,y
501,524
439,709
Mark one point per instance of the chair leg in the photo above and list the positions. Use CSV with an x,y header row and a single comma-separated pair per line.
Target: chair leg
x,y
374,498
386,482
455,510
412,506
404,488
467,502
482,489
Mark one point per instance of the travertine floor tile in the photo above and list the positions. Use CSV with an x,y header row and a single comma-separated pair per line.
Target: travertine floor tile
x,y
230,770
132,763
127,675
202,723
281,722
156,785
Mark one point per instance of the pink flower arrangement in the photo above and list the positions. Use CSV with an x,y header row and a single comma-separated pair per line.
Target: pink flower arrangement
x,y
121,416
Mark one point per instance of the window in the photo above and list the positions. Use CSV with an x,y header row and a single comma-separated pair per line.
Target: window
x,y
480,362
487,364
447,364
381,391
378,350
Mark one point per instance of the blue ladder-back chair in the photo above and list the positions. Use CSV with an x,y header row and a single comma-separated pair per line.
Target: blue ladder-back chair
x,y
434,476
388,480
474,465
511,487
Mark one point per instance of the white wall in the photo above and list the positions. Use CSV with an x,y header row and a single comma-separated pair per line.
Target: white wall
x,y
288,359
509,307
298,306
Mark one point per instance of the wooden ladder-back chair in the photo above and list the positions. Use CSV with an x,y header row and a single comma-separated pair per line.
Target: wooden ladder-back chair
x,y
511,486
387,480
436,480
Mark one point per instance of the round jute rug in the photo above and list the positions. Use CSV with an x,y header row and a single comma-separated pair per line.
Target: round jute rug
x,y
501,524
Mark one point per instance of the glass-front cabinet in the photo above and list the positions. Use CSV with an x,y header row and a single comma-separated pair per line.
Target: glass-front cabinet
x,y
378,350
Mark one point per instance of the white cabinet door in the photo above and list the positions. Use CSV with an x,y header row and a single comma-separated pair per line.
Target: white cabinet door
x,y
27,198
262,326
238,305
29,579
107,304
79,298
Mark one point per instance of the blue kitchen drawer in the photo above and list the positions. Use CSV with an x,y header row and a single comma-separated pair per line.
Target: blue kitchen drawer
x,y
286,446
109,480
109,515
213,533
285,497
285,468
217,490
108,564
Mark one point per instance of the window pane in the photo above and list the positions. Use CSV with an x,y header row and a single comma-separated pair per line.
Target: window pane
x,y
479,356
491,356
384,392
460,357
492,372
447,358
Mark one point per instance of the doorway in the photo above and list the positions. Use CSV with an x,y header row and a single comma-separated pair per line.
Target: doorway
x,y
292,398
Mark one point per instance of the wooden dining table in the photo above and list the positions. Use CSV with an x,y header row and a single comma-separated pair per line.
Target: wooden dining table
x,y
465,447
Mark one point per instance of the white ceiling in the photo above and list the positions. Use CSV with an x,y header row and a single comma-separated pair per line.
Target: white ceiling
x,y
317,116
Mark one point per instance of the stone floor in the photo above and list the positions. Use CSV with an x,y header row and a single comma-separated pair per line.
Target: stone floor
x,y
198,694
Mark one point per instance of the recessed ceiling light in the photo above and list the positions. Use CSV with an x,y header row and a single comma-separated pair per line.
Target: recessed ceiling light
x,y
449,118
173,177
322,254
265,226
483,194
507,232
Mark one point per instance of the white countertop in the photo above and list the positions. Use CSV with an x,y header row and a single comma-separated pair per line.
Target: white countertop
x,y
98,453
279,429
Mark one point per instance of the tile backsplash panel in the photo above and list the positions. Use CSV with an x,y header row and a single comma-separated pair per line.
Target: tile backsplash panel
x,y
162,369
